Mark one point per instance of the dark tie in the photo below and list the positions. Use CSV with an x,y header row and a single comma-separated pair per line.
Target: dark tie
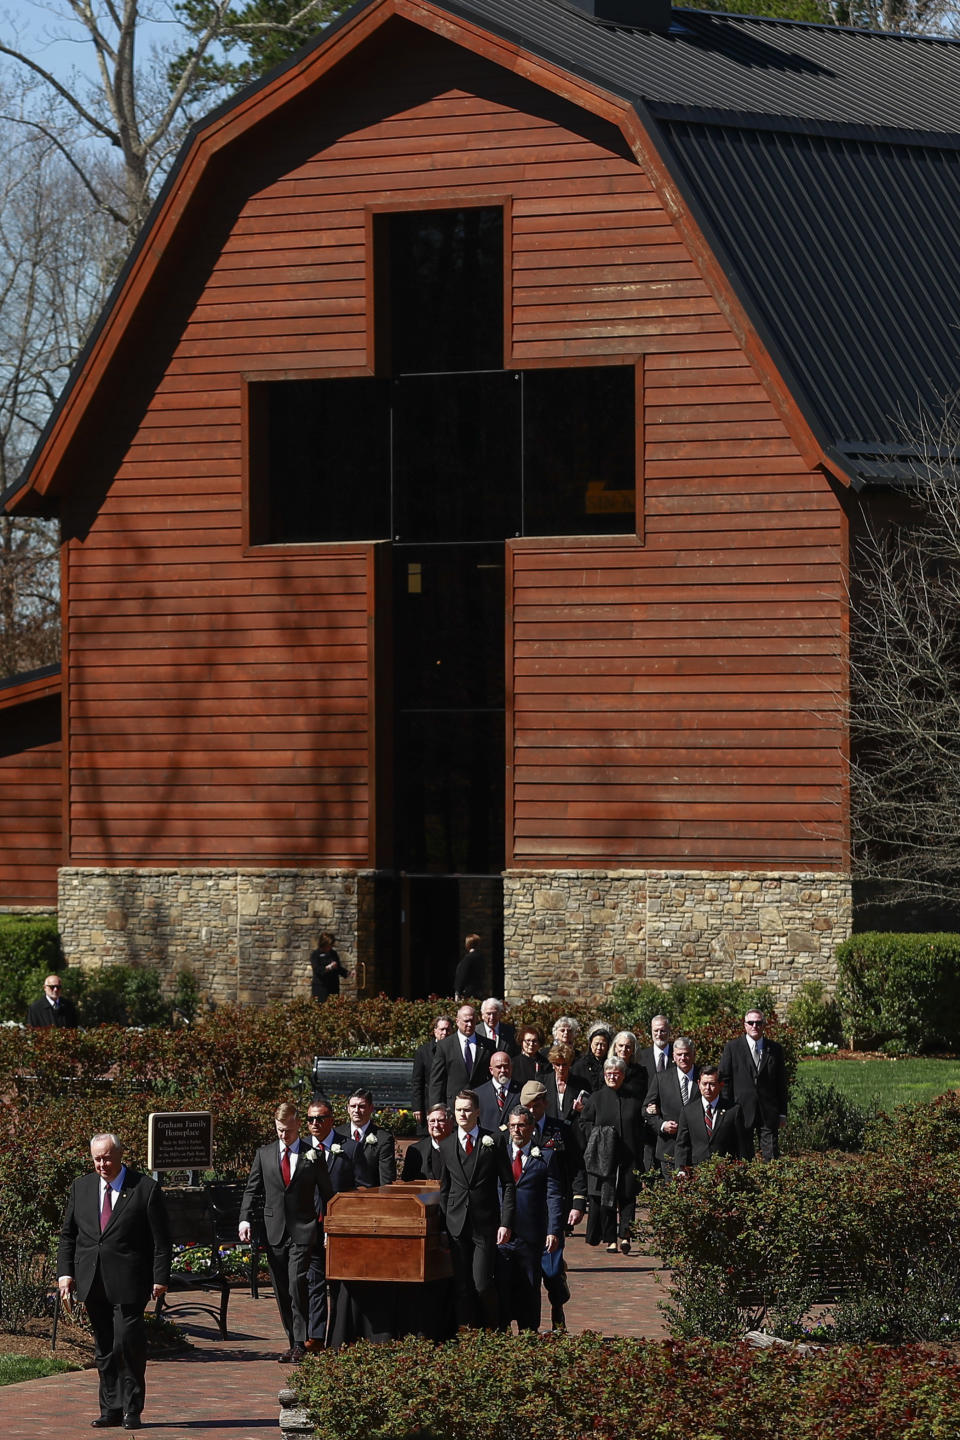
x,y
708,1120
501,1097
107,1209
468,1146
468,1056
285,1165
518,1165
684,1089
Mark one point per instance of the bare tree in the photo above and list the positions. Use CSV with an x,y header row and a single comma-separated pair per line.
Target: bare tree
x,y
58,257
905,675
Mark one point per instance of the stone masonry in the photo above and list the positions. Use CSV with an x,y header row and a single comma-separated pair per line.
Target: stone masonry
x,y
245,934
577,932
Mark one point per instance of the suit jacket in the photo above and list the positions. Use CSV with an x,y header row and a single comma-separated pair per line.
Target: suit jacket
x,y
761,1094
476,1189
421,1162
422,1065
561,1110
729,1137
374,1159
449,1074
566,1141
506,1040
340,1171
491,1116
41,1013
289,1211
540,1209
665,1093
132,1254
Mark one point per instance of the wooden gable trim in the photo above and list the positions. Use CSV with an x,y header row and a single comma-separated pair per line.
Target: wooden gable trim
x,y
28,690
228,127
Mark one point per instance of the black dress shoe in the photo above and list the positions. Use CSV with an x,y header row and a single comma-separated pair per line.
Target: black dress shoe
x,y
285,1358
107,1422
132,1422
297,1354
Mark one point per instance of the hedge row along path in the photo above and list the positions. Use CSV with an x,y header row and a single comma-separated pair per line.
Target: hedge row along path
x,y
227,1389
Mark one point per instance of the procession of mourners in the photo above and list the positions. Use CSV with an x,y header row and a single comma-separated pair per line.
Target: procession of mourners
x,y
522,1134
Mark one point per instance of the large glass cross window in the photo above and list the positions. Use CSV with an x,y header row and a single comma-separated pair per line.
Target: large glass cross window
x,y
445,453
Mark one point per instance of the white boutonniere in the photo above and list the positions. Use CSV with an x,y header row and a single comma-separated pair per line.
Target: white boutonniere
x,y
309,1153
370,1139
336,1149
487,1142
535,1153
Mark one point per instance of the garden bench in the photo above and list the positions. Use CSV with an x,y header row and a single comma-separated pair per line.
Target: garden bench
x,y
225,1197
390,1081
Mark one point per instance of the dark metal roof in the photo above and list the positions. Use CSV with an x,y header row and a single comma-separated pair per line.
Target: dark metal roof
x,y
823,165
820,162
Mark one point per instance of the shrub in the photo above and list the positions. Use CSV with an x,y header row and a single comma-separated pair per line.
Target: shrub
x,y
755,1244
123,995
812,1017
29,951
903,989
531,1387
633,1004
822,1118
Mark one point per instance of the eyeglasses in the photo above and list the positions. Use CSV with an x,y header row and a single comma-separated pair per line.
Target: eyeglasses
x,y
53,987
757,1023
318,1119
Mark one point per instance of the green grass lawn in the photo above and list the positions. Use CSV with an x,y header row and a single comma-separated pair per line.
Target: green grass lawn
x,y
884,1083
14,1368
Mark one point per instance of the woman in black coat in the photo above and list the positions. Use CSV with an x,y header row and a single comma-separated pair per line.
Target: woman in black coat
x,y
587,1072
326,967
612,1125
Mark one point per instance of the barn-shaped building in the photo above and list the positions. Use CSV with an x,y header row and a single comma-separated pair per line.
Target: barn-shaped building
x,y
456,498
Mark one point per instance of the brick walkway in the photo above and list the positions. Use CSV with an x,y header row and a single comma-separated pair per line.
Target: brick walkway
x,y
227,1389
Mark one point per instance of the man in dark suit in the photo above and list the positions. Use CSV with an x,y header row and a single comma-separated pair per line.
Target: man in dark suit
x,y
423,1063
53,1007
753,1074
708,1127
284,1178
563,1140
495,1028
462,1060
369,1146
340,1171
655,1058
422,1159
499,1094
115,1252
538,1223
669,1091
478,1201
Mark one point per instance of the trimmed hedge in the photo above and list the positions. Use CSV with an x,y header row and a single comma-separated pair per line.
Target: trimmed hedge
x,y
564,1387
29,952
757,1245
900,992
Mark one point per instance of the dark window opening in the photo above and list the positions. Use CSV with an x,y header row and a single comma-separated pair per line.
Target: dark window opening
x,y
444,459
439,301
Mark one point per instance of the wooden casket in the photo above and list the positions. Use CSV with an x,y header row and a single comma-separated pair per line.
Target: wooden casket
x,y
393,1233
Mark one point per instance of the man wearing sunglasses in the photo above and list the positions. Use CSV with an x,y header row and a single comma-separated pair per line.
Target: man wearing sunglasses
x,y
754,1076
53,1007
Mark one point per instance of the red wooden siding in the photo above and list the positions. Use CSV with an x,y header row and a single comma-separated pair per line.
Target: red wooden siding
x,y
677,705
219,698
31,788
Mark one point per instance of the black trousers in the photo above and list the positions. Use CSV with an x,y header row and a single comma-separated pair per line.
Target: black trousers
x,y
120,1339
518,1284
289,1264
474,1254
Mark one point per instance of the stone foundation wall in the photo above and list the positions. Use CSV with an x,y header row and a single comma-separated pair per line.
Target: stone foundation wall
x,y
576,932
246,935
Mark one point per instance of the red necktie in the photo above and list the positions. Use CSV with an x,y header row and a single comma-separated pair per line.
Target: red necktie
x,y
501,1098
708,1119
469,1145
285,1166
518,1165
107,1209
356,1136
